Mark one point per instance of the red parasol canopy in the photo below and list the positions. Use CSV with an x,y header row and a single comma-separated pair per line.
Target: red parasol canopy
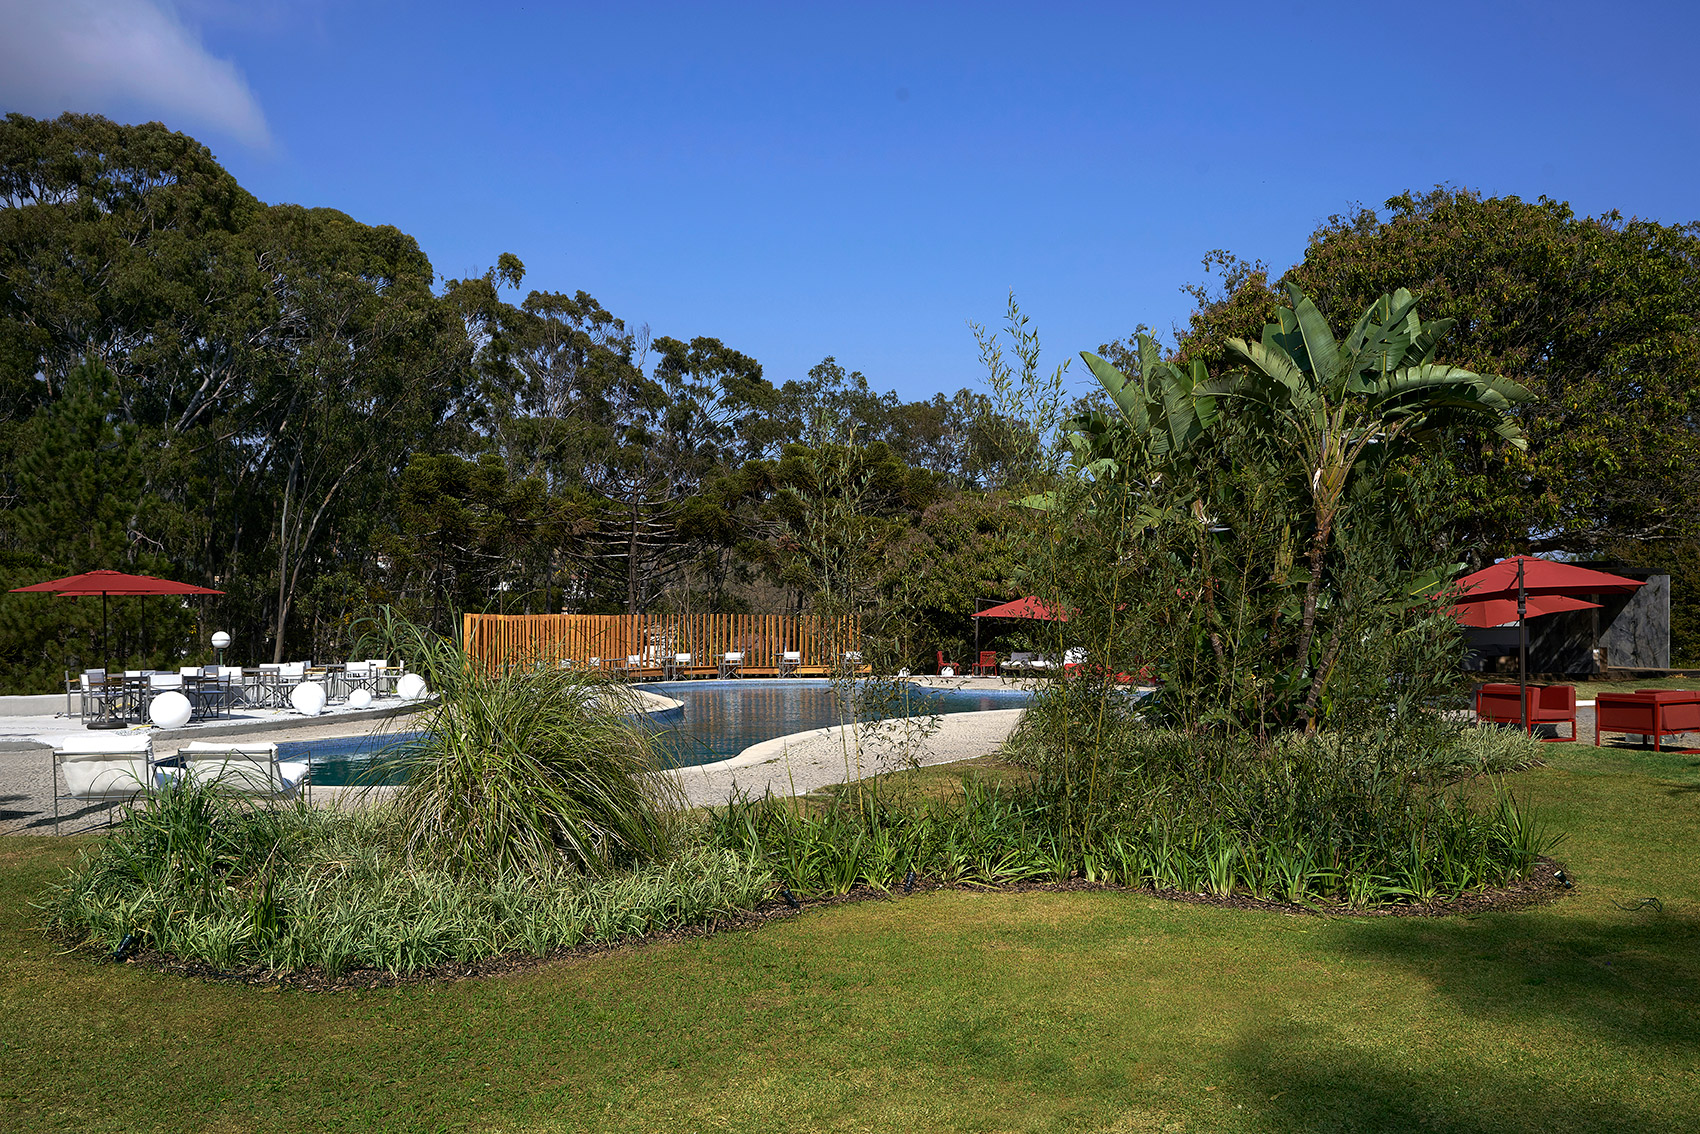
x,y
1502,611
1527,581
1541,577
104,582
1028,607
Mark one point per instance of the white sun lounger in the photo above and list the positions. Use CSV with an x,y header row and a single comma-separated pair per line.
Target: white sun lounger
x,y
251,769
109,769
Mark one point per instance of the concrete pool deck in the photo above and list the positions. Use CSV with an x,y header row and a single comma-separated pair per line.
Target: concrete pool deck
x,y
798,763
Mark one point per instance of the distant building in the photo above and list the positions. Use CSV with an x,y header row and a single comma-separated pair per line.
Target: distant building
x,y
1626,632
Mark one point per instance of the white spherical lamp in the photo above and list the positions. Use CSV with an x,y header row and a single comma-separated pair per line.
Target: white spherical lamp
x,y
169,710
411,687
308,698
220,640
360,699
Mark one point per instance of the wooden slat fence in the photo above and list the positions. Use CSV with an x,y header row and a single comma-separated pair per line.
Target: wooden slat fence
x,y
501,641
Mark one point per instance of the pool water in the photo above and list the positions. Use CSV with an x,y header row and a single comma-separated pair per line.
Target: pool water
x,y
716,721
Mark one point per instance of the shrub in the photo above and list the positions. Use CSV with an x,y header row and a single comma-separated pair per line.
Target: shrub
x,y
203,877
526,769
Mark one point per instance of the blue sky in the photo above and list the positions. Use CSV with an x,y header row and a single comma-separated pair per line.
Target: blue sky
x,y
862,180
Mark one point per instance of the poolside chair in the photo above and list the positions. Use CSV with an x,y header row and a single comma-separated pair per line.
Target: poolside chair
x,y
99,697
102,768
384,676
987,666
955,667
1039,664
790,661
250,769
155,684
1019,662
637,667
217,689
732,664
689,668
1502,703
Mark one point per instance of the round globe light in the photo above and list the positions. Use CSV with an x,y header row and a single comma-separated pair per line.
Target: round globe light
x,y
170,710
360,699
411,687
220,640
308,698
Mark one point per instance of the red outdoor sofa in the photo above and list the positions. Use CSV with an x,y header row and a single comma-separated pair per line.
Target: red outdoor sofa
x,y
1502,703
1657,713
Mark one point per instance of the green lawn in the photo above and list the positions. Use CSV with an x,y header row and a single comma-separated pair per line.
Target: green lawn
x,y
1067,1011
1588,690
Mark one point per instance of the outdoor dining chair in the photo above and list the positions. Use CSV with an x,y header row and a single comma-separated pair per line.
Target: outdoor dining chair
x,y
100,697
731,665
643,670
987,666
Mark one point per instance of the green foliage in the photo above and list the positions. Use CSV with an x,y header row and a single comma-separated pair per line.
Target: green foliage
x,y
1241,539
527,770
205,878
1595,316
1320,820
288,411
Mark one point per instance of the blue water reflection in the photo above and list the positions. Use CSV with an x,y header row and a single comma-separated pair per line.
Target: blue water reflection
x,y
716,721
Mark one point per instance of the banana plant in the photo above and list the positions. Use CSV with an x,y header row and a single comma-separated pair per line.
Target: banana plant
x,y
1328,404
1161,415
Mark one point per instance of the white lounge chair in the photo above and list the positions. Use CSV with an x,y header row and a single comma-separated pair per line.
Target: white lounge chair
x,y
102,768
250,769
732,664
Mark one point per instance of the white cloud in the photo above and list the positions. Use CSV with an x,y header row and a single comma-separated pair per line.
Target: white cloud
x,y
117,56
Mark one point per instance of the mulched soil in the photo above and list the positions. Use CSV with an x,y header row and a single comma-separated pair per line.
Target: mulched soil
x,y
1548,882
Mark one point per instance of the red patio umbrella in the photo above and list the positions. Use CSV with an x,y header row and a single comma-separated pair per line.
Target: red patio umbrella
x,y
1524,578
1028,607
104,582
1541,577
1500,611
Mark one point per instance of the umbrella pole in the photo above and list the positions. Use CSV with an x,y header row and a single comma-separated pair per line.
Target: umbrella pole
x,y
1523,643
106,719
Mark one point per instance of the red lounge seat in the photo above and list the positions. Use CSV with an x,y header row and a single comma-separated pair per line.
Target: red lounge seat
x,y
1657,713
1502,703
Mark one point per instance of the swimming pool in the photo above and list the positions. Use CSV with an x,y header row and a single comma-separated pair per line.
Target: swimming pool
x,y
716,720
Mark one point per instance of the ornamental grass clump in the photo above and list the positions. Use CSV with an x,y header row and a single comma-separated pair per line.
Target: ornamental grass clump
x,y
527,769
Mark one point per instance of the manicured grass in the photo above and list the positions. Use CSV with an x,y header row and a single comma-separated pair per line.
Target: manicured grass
x,y
949,1011
1588,690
